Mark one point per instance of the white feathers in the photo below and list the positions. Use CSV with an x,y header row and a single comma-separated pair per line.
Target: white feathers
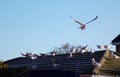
x,y
73,50
29,55
53,53
34,56
106,46
92,50
84,49
83,26
114,56
70,55
23,54
100,46
95,63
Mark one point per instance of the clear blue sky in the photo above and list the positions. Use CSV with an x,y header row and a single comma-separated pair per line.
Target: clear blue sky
x,y
40,25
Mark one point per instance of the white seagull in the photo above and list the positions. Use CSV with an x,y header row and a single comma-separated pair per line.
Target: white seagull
x,y
34,56
73,50
23,54
100,46
114,55
107,46
83,26
92,50
27,54
53,53
70,55
95,63
84,49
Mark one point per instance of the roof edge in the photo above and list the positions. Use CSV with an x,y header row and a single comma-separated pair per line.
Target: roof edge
x,y
115,43
102,60
116,39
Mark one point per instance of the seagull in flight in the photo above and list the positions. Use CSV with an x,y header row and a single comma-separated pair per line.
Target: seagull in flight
x,y
83,26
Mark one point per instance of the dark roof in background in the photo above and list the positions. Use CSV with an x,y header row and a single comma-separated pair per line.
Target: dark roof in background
x,y
80,63
117,39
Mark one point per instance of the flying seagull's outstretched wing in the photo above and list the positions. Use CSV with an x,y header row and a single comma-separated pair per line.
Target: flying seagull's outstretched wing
x,y
76,21
83,26
92,20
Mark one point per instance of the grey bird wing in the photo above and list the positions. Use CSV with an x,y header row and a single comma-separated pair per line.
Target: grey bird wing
x,y
92,20
76,21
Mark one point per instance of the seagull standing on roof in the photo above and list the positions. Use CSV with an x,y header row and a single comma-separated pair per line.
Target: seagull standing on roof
x,y
107,46
114,55
92,50
84,49
72,49
83,26
100,46
27,54
95,63
23,54
34,56
70,55
53,53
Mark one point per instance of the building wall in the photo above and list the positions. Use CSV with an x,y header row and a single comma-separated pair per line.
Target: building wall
x,y
52,73
117,48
